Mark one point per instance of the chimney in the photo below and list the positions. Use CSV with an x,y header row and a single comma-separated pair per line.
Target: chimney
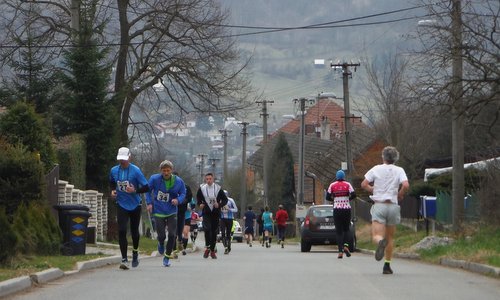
x,y
325,128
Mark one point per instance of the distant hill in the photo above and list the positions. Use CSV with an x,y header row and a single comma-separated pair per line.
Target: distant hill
x,y
282,62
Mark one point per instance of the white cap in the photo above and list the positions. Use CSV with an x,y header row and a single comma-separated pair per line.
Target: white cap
x,y
123,154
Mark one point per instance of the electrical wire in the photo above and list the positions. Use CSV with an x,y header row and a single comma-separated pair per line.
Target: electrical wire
x,y
326,25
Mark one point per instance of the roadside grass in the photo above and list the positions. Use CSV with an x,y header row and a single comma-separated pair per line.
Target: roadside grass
x,y
26,265
480,245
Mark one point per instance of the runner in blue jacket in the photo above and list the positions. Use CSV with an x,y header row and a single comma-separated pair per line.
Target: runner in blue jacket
x,y
167,191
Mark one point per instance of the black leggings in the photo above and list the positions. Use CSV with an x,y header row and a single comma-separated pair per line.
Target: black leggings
x,y
210,228
342,221
225,228
123,216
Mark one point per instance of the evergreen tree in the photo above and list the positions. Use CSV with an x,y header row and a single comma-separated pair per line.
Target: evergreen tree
x,y
86,110
33,76
282,182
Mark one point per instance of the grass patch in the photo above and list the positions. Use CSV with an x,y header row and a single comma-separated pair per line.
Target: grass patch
x,y
479,245
26,265
483,246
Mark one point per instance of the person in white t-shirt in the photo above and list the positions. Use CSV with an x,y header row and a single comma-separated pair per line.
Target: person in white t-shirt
x,y
388,184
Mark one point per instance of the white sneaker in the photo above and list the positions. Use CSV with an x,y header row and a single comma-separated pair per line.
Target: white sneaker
x,y
125,264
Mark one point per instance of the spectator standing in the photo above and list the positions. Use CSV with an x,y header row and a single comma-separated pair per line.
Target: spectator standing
x,y
127,181
168,191
249,219
227,214
210,198
281,218
341,192
388,184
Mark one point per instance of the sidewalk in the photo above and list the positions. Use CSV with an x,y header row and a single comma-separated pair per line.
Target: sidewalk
x,y
18,284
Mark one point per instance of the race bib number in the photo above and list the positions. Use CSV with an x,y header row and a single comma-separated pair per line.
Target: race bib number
x,y
165,197
211,201
225,208
122,185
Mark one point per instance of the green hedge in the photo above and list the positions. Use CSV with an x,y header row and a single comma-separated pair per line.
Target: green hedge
x,y
21,177
37,230
71,155
7,236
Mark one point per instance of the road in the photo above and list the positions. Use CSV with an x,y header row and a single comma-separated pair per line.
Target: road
x,y
259,273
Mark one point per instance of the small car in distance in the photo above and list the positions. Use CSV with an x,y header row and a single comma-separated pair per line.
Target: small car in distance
x,y
318,229
237,233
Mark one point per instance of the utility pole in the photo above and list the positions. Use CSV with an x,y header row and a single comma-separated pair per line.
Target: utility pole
x,y
243,167
224,133
75,16
457,126
213,162
302,103
265,159
347,113
201,163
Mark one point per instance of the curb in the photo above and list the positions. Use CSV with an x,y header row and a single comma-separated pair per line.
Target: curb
x,y
471,266
46,275
448,262
98,262
14,285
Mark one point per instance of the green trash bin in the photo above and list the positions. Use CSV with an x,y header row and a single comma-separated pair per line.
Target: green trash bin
x,y
73,221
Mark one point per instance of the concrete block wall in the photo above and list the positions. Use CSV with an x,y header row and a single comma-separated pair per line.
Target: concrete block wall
x,y
98,207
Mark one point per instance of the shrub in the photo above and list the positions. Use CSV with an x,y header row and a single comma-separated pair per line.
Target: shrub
x,y
72,157
21,177
37,230
7,236
22,125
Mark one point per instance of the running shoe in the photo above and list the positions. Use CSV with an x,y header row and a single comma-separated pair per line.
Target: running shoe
x,y
346,250
213,255
166,261
184,252
206,253
226,251
161,248
341,255
135,259
379,253
124,265
387,269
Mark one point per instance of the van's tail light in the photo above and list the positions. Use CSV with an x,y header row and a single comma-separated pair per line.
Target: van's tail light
x,y
307,221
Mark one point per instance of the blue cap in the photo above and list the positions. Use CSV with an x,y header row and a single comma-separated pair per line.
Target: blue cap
x,y
340,175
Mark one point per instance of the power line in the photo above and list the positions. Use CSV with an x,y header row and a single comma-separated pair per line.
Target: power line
x,y
326,25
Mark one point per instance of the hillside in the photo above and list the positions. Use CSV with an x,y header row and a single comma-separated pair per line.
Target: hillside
x,y
282,61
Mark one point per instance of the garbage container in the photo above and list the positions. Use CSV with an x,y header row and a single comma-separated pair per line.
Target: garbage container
x,y
428,206
73,221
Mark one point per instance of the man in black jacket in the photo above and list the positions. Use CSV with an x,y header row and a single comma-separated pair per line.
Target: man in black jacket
x,y
210,198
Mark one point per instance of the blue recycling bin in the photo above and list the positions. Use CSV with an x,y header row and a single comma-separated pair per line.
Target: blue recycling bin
x,y
428,206
73,221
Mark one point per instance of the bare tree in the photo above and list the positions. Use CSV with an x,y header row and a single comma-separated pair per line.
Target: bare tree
x,y
180,46
397,114
481,66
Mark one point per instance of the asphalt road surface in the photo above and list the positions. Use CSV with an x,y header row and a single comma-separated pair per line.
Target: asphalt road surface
x,y
259,273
